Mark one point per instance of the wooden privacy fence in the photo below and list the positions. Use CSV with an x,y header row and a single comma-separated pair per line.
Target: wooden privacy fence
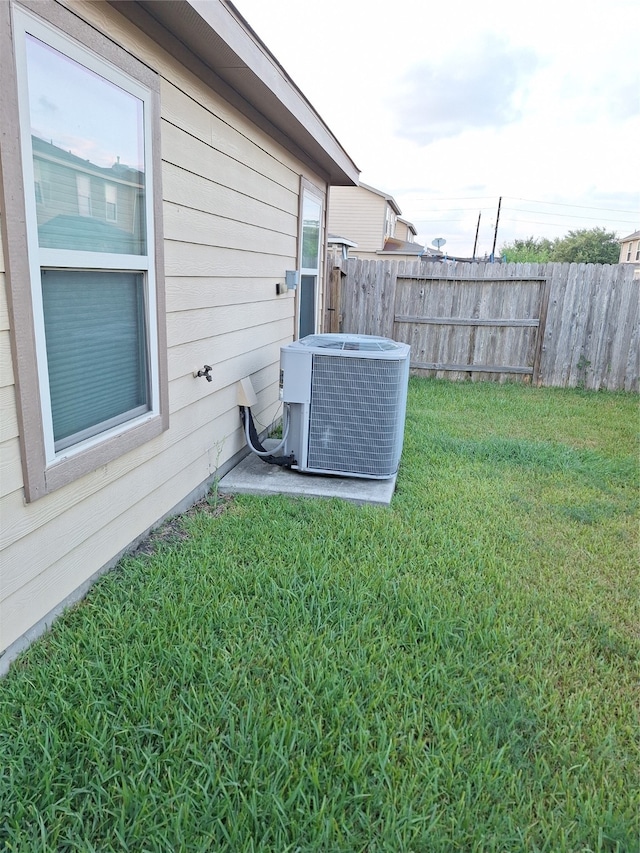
x,y
566,325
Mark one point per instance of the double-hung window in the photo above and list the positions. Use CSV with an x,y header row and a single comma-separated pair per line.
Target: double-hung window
x,y
311,237
86,132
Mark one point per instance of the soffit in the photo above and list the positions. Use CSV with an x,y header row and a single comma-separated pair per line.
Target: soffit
x,y
215,33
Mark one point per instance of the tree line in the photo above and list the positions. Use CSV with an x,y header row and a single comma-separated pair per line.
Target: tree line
x,y
583,246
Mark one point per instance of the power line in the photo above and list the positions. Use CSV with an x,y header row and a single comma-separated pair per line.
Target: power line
x,y
456,209
453,198
565,225
629,222
568,204
537,222
525,221
529,200
571,216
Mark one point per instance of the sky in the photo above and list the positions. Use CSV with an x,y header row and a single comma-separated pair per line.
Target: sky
x,y
450,107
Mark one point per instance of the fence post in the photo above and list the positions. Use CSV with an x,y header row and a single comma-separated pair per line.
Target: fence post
x,y
333,313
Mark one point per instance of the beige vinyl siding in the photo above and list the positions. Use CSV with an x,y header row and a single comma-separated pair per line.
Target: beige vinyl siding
x,y
4,310
6,364
404,231
358,215
634,245
230,220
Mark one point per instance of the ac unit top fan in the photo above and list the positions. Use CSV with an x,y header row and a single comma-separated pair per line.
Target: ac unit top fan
x,y
346,397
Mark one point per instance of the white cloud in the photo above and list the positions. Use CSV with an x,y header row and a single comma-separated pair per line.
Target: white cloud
x,y
480,100
477,89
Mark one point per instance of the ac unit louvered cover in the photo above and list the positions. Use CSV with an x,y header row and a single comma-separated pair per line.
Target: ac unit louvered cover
x,y
354,420
346,397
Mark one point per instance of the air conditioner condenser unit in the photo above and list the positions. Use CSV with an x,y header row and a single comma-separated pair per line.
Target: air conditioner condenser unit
x,y
346,397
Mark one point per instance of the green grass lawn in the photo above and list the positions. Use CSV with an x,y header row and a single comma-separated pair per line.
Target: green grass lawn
x,y
456,673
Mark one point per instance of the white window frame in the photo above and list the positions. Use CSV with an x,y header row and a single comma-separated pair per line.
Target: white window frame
x,y
310,190
73,259
45,469
390,222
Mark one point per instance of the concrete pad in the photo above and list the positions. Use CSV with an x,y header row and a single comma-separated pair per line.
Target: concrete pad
x,y
252,476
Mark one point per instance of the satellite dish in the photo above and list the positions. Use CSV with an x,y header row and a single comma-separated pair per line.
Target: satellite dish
x,y
438,242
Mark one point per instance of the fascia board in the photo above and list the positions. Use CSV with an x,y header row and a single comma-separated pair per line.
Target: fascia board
x,y
218,35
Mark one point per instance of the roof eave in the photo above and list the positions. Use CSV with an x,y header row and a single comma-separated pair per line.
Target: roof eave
x,y
388,198
409,225
217,35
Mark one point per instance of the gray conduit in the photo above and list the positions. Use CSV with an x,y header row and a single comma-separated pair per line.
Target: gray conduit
x,y
273,449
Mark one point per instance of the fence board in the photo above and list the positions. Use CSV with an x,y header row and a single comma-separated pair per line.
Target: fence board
x,y
624,350
605,306
554,324
488,323
466,321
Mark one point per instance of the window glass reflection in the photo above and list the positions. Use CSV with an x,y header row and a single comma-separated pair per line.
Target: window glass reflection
x,y
311,211
88,151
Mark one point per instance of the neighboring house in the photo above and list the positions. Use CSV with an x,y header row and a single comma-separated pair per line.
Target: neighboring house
x,y
407,249
405,230
159,175
402,244
630,249
338,248
371,219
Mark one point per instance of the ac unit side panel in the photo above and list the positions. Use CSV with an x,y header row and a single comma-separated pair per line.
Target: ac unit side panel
x,y
356,417
295,367
402,410
298,433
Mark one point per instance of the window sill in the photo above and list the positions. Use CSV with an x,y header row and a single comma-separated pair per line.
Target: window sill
x,y
65,471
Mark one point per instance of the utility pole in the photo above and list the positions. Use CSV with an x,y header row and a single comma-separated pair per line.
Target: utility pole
x,y
495,233
475,242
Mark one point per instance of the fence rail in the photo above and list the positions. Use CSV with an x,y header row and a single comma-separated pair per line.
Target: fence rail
x,y
566,325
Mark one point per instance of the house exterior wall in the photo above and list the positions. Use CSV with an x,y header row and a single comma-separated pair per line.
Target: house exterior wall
x,y
359,215
630,249
368,217
404,231
230,220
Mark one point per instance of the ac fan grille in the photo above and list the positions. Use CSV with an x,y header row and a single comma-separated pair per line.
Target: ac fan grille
x,y
354,421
